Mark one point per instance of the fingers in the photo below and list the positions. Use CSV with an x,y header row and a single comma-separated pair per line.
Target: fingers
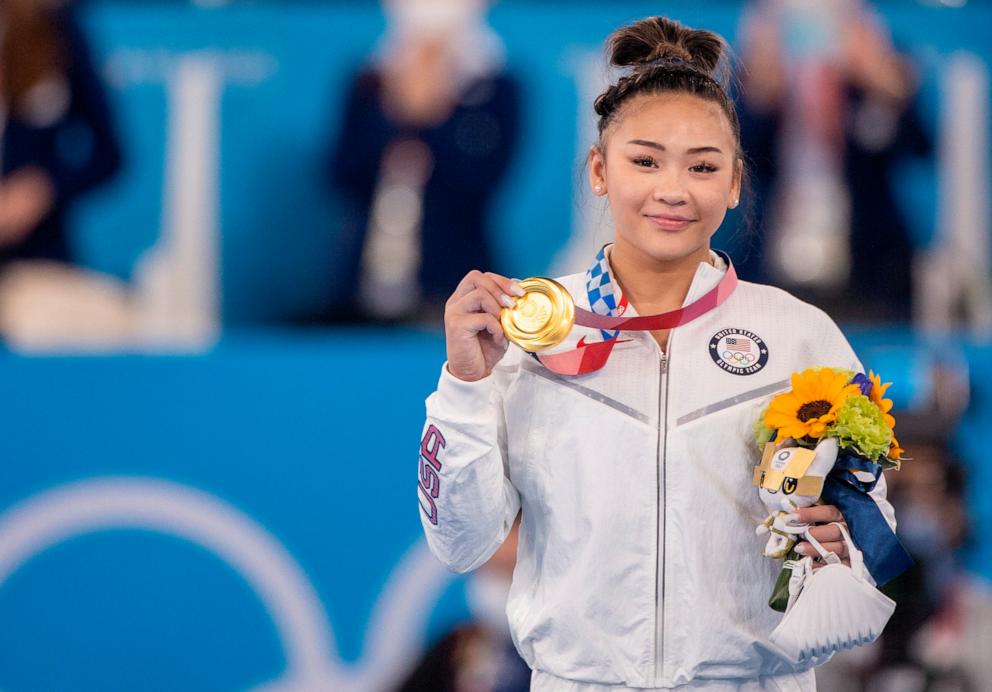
x,y
476,322
476,312
498,286
818,514
826,532
830,537
479,300
839,548
480,294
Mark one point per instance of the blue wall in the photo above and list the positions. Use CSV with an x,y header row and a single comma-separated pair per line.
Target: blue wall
x,y
304,440
312,437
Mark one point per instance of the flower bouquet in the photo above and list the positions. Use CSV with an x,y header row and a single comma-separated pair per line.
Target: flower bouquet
x,y
828,439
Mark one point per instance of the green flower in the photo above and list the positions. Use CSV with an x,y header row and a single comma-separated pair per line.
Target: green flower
x,y
861,427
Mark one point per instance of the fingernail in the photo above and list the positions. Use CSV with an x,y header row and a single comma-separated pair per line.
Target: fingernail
x,y
515,288
507,301
792,518
801,549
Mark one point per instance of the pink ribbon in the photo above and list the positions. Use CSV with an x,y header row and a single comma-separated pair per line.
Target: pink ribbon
x,y
586,358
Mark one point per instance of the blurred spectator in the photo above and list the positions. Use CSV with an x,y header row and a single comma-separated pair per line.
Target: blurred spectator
x,y
829,111
934,639
940,634
928,494
58,140
478,657
58,143
427,134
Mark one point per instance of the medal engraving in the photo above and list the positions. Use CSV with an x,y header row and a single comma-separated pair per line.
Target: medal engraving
x,y
541,318
533,312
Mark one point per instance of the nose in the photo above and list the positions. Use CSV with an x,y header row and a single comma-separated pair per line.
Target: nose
x,y
669,189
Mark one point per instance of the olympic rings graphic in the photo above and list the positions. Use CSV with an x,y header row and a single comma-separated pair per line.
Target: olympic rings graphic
x,y
738,351
738,358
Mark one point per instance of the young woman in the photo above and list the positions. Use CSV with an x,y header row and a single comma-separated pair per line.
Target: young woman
x,y
638,564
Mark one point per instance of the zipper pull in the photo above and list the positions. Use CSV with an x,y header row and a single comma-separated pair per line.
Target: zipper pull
x,y
664,363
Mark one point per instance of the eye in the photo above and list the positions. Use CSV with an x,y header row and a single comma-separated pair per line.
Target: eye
x,y
704,168
644,161
789,485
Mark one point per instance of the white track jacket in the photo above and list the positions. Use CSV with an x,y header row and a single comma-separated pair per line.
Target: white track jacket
x,y
638,562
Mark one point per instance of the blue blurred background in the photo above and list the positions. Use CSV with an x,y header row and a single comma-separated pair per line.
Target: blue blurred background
x,y
208,438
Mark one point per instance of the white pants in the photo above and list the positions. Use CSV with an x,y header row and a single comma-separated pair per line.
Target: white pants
x,y
802,682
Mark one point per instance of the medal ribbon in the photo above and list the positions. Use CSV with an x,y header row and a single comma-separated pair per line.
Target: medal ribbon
x,y
588,358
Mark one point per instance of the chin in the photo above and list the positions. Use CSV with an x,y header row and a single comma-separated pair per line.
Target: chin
x,y
672,248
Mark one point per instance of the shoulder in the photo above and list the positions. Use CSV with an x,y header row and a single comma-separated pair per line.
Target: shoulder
x,y
815,336
763,296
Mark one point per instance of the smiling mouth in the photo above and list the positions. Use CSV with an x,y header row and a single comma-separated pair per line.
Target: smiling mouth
x,y
671,223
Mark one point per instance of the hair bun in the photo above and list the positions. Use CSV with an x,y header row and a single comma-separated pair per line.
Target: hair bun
x,y
657,38
667,57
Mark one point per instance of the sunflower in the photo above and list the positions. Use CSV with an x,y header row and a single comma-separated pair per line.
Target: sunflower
x,y
812,404
877,392
896,452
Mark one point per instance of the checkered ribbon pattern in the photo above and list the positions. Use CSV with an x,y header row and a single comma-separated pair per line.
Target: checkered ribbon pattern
x,y
608,305
603,292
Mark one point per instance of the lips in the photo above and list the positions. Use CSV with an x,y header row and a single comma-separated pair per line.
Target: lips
x,y
670,222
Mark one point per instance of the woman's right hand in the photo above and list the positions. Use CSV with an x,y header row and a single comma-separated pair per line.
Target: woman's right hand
x,y
472,331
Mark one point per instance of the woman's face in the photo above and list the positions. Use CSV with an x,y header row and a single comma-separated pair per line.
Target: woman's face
x,y
670,170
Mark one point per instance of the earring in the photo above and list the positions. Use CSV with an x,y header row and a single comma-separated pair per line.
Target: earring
x,y
733,205
598,189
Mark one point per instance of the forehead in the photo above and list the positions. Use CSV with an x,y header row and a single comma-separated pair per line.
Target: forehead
x,y
674,120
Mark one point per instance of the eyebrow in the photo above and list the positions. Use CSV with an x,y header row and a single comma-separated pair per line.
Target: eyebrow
x,y
661,147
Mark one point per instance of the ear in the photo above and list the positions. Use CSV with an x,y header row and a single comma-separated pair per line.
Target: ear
x,y
735,185
597,170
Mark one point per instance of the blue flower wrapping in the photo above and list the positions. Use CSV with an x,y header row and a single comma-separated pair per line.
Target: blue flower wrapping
x,y
884,555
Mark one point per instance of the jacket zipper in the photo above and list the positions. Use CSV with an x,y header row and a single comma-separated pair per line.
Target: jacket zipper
x,y
659,637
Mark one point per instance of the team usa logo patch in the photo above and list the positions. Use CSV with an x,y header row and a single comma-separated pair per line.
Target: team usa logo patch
x,y
738,351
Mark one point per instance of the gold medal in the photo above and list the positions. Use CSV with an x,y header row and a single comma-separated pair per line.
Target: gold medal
x,y
542,317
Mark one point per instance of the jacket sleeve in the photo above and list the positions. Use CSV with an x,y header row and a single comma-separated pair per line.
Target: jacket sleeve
x,y
467,501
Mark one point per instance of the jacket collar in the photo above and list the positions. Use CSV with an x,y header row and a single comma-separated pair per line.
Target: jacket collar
x,y
606,297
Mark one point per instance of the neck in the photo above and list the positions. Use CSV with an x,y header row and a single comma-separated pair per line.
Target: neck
x,y
654,286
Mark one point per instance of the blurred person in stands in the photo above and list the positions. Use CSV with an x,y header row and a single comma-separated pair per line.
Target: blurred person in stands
x,y
933,527
478,656
828,113
931,642
427,133
58,139
940,634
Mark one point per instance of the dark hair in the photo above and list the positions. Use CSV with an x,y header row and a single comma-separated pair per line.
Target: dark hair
x,y
31,48
668,57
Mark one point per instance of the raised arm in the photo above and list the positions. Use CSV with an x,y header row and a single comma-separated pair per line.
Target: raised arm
x,y
467,501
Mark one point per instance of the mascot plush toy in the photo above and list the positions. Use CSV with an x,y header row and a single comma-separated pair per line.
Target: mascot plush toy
x,y
790,477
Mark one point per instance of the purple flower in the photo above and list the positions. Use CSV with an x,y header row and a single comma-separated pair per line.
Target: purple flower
x,y
863,382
